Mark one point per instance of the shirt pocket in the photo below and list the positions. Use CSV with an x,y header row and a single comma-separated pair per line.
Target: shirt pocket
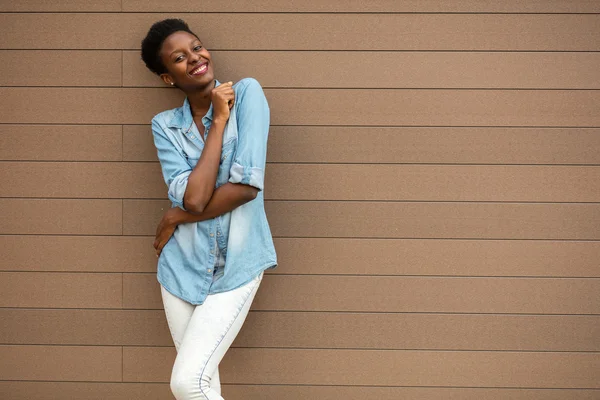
x,y
191,155
192,161
225,163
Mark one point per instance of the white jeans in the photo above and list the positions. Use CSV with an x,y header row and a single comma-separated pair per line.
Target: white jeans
x,y
202,335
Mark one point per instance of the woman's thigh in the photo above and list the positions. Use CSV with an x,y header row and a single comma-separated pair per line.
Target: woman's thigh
x,y
178,313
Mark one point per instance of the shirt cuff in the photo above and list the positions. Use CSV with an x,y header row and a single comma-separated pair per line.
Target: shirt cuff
x,y
247,175
177,189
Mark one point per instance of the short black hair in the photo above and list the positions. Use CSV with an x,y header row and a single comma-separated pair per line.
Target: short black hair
x,y
154,39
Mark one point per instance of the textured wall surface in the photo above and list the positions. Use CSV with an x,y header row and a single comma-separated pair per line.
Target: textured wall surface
x,y
433,186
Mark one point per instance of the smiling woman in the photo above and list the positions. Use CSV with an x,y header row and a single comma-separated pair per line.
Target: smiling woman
x,y
214,244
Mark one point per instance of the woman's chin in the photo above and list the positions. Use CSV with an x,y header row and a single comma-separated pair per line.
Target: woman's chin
x,y
192,84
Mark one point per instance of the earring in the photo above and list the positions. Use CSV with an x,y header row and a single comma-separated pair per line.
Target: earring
x,y
172,83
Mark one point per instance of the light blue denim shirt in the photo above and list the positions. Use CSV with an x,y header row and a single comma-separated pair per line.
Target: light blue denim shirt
x,y
186,266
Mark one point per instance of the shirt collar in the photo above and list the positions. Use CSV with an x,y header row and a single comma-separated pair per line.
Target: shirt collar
x,y
183,117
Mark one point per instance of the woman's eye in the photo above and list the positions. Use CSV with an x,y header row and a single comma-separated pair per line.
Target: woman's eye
x,y
197,48
179,59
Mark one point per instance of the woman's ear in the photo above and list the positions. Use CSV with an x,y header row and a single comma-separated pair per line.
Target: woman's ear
x,y
167,79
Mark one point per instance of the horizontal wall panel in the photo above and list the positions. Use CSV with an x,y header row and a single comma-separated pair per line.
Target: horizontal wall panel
x,y
61,216
80,180
290,31
85,105
141,291
428,107
16,390
428,183
420,331
337,69
141,217
471,145
410,294
68,363
160,391
101,327
87,390
290,392
78,253
437,257
61,5
428,220
323,256
315,330
47,68
402,294
158,362
318,182
138,143
60,290
61,142
434,107
582,6
403,219
386,368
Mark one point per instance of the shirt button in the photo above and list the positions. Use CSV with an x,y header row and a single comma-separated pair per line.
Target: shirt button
x,y
212,234
209,270
212,252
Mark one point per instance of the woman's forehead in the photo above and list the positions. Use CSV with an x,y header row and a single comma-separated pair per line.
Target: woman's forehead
x,y
176,40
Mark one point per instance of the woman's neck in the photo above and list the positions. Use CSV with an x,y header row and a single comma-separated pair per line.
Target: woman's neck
x,y
200,99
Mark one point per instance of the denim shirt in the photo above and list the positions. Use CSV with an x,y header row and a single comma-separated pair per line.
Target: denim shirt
x,y
186,266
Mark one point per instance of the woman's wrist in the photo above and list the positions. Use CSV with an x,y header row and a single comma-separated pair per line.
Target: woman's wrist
x,y
219,123
174,216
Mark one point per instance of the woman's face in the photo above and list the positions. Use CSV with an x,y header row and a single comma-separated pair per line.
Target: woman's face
x,y
188,63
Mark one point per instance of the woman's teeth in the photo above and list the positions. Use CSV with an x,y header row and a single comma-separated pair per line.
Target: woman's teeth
x,y
199,70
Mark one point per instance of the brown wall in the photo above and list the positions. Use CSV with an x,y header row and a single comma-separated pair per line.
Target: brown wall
x,y
433,188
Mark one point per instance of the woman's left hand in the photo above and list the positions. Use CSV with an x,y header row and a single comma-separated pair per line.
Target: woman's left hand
x,y
164,231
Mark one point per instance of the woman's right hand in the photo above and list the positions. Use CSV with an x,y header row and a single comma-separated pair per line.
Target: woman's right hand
x,y
222,98
166,228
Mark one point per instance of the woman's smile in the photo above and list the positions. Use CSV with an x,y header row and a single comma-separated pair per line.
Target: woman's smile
x,y
200,69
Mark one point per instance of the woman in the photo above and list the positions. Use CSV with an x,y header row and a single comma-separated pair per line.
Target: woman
x,y
215,243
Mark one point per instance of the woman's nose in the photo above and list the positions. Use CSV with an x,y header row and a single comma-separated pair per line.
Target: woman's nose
x,y
194,58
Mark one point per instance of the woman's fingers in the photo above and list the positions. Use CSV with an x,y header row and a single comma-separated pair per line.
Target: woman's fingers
x,y
224,87
163,234
159,246
223,98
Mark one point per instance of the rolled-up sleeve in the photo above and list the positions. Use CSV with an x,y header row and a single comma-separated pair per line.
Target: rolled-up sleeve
x,y
175,168
253,115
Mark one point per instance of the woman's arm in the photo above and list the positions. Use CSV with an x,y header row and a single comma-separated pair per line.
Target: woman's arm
x,y
224,199
202,179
